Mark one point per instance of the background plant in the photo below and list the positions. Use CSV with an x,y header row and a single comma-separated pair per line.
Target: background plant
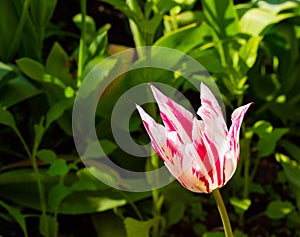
x,y
252,51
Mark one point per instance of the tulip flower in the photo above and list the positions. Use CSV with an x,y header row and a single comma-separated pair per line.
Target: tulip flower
x,y
201,154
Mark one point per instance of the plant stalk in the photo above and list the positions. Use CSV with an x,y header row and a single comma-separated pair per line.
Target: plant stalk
x,y
82,43
223,213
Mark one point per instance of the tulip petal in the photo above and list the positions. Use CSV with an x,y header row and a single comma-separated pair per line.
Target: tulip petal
x,y
156,131
232,156
212,115
174,116
214,133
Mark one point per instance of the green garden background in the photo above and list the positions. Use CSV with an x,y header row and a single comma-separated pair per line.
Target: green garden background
x,y
48,47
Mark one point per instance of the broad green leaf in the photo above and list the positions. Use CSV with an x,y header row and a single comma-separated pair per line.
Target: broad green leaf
x,y
240,205
57,110
20,187
17,215
291,169
222,17
46,155
175,213
268,137
256,20
56,194
58,167
138,228
177,39
17,90
276,6
58,65
279,209
31,68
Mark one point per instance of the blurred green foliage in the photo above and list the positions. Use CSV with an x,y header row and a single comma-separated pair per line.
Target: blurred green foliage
x,y
251,50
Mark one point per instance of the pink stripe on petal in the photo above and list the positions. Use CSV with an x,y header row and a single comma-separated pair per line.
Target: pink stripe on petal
x,y
234,131
232,155
174,116
211,113
156,132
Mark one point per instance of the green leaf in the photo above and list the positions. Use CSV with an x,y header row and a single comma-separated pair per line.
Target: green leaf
x,y
279,209
20,187
7,119
240,205
58,65
87,181
177,39
248,51
291,168
17,90
222,17
56,194
175,213
89,21
256,20
98,47
48,156
31,68
268,137
138,228
57,110
17,215
58,167
276,6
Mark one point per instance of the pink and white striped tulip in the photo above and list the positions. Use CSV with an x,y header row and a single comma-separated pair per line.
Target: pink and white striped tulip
x,y
201,154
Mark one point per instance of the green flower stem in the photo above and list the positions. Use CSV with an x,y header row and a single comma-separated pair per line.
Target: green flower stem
x,y
82,43
223,213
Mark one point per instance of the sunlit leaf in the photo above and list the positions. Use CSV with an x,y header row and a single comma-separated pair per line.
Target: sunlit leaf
x,y
291,168
240,205
279,209
222,17
138,228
